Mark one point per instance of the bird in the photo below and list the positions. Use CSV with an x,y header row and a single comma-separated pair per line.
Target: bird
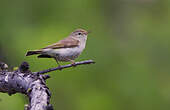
x,y
66,50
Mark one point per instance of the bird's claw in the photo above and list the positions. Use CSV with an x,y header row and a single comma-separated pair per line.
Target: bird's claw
x,y
59,67
74,64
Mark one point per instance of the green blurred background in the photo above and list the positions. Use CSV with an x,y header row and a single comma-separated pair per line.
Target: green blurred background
x,y
130,41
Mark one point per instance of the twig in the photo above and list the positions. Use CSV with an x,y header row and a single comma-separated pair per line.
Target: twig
x,y
65,66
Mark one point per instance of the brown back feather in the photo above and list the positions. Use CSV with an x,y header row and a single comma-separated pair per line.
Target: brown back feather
x,y
66,43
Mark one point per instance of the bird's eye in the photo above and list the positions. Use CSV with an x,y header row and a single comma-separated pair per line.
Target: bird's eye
x,y
79,33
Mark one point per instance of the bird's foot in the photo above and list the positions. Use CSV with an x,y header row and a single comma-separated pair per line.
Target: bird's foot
x,y
59,67
73,64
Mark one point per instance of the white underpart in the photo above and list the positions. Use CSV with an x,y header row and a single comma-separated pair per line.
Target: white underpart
x,y
64,54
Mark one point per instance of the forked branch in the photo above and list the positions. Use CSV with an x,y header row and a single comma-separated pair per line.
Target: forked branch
x,y
32,84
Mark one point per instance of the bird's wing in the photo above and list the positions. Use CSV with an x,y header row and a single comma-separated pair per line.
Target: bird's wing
x,y
66,43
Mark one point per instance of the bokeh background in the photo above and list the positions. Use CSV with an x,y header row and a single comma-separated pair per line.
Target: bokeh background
x,y
130,41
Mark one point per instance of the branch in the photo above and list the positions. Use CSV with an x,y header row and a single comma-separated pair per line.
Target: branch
x,y
32,84
65,66
23,81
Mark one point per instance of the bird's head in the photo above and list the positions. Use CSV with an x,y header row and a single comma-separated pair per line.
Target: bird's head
x,y
79,34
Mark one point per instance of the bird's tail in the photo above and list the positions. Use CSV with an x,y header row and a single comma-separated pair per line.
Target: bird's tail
x,y
33,52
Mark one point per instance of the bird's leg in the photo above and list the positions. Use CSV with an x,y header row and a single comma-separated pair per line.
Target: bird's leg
x,y
58,63
72,62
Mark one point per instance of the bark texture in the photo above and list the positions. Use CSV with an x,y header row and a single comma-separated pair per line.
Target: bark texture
x,y
32,84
